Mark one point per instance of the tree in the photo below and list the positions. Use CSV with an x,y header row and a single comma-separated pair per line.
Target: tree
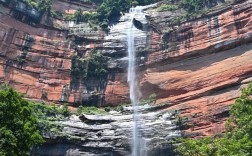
x,y
97,65
18,124
237,140
78,15
41,5
110,9
45,5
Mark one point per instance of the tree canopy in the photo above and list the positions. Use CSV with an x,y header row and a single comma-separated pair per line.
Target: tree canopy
x,y
41,5
18,124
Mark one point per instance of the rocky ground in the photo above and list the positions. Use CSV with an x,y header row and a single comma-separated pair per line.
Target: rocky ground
x,y
111,134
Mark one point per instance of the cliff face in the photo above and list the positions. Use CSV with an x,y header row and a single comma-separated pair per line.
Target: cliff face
x,y
197,66
200,65
111,134
34,59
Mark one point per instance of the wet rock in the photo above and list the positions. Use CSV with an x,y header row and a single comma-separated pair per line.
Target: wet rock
x,y
138,24
96,119
111,134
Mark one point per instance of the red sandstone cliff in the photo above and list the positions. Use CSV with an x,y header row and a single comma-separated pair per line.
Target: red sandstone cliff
x,y
201,66
198,66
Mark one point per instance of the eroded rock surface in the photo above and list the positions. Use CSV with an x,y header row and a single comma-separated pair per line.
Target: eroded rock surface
x,y
201,65
111,134
198,65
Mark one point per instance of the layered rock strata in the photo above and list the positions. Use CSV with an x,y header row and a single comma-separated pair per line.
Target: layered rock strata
x,y
198,65
111,134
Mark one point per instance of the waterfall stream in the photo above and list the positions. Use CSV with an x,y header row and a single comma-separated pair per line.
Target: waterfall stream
x,y
147,133
137,149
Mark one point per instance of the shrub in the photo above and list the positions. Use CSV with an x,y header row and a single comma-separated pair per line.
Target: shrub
x,y
151,99
91,110
237,140
65,111
94,66
56,14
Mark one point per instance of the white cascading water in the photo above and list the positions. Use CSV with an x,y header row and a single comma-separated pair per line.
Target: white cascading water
x,y
134,91
149,128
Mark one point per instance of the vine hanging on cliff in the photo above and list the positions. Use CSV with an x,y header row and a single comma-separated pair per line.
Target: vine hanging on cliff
x,y
93,66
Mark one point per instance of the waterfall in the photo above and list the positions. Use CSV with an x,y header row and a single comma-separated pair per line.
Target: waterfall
x,y
133,86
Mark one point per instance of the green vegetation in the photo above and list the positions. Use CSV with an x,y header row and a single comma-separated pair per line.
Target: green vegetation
x,y
237,140
18,124
151,99
181,121
41,5
97,65
22,58
91,110
80,16
167,7
192,6
78,68
110,9
22,123
48,115
94,66
195,8
57,14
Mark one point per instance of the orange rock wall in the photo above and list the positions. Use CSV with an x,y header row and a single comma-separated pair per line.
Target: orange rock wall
x,y
45,74
47,66
202,67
